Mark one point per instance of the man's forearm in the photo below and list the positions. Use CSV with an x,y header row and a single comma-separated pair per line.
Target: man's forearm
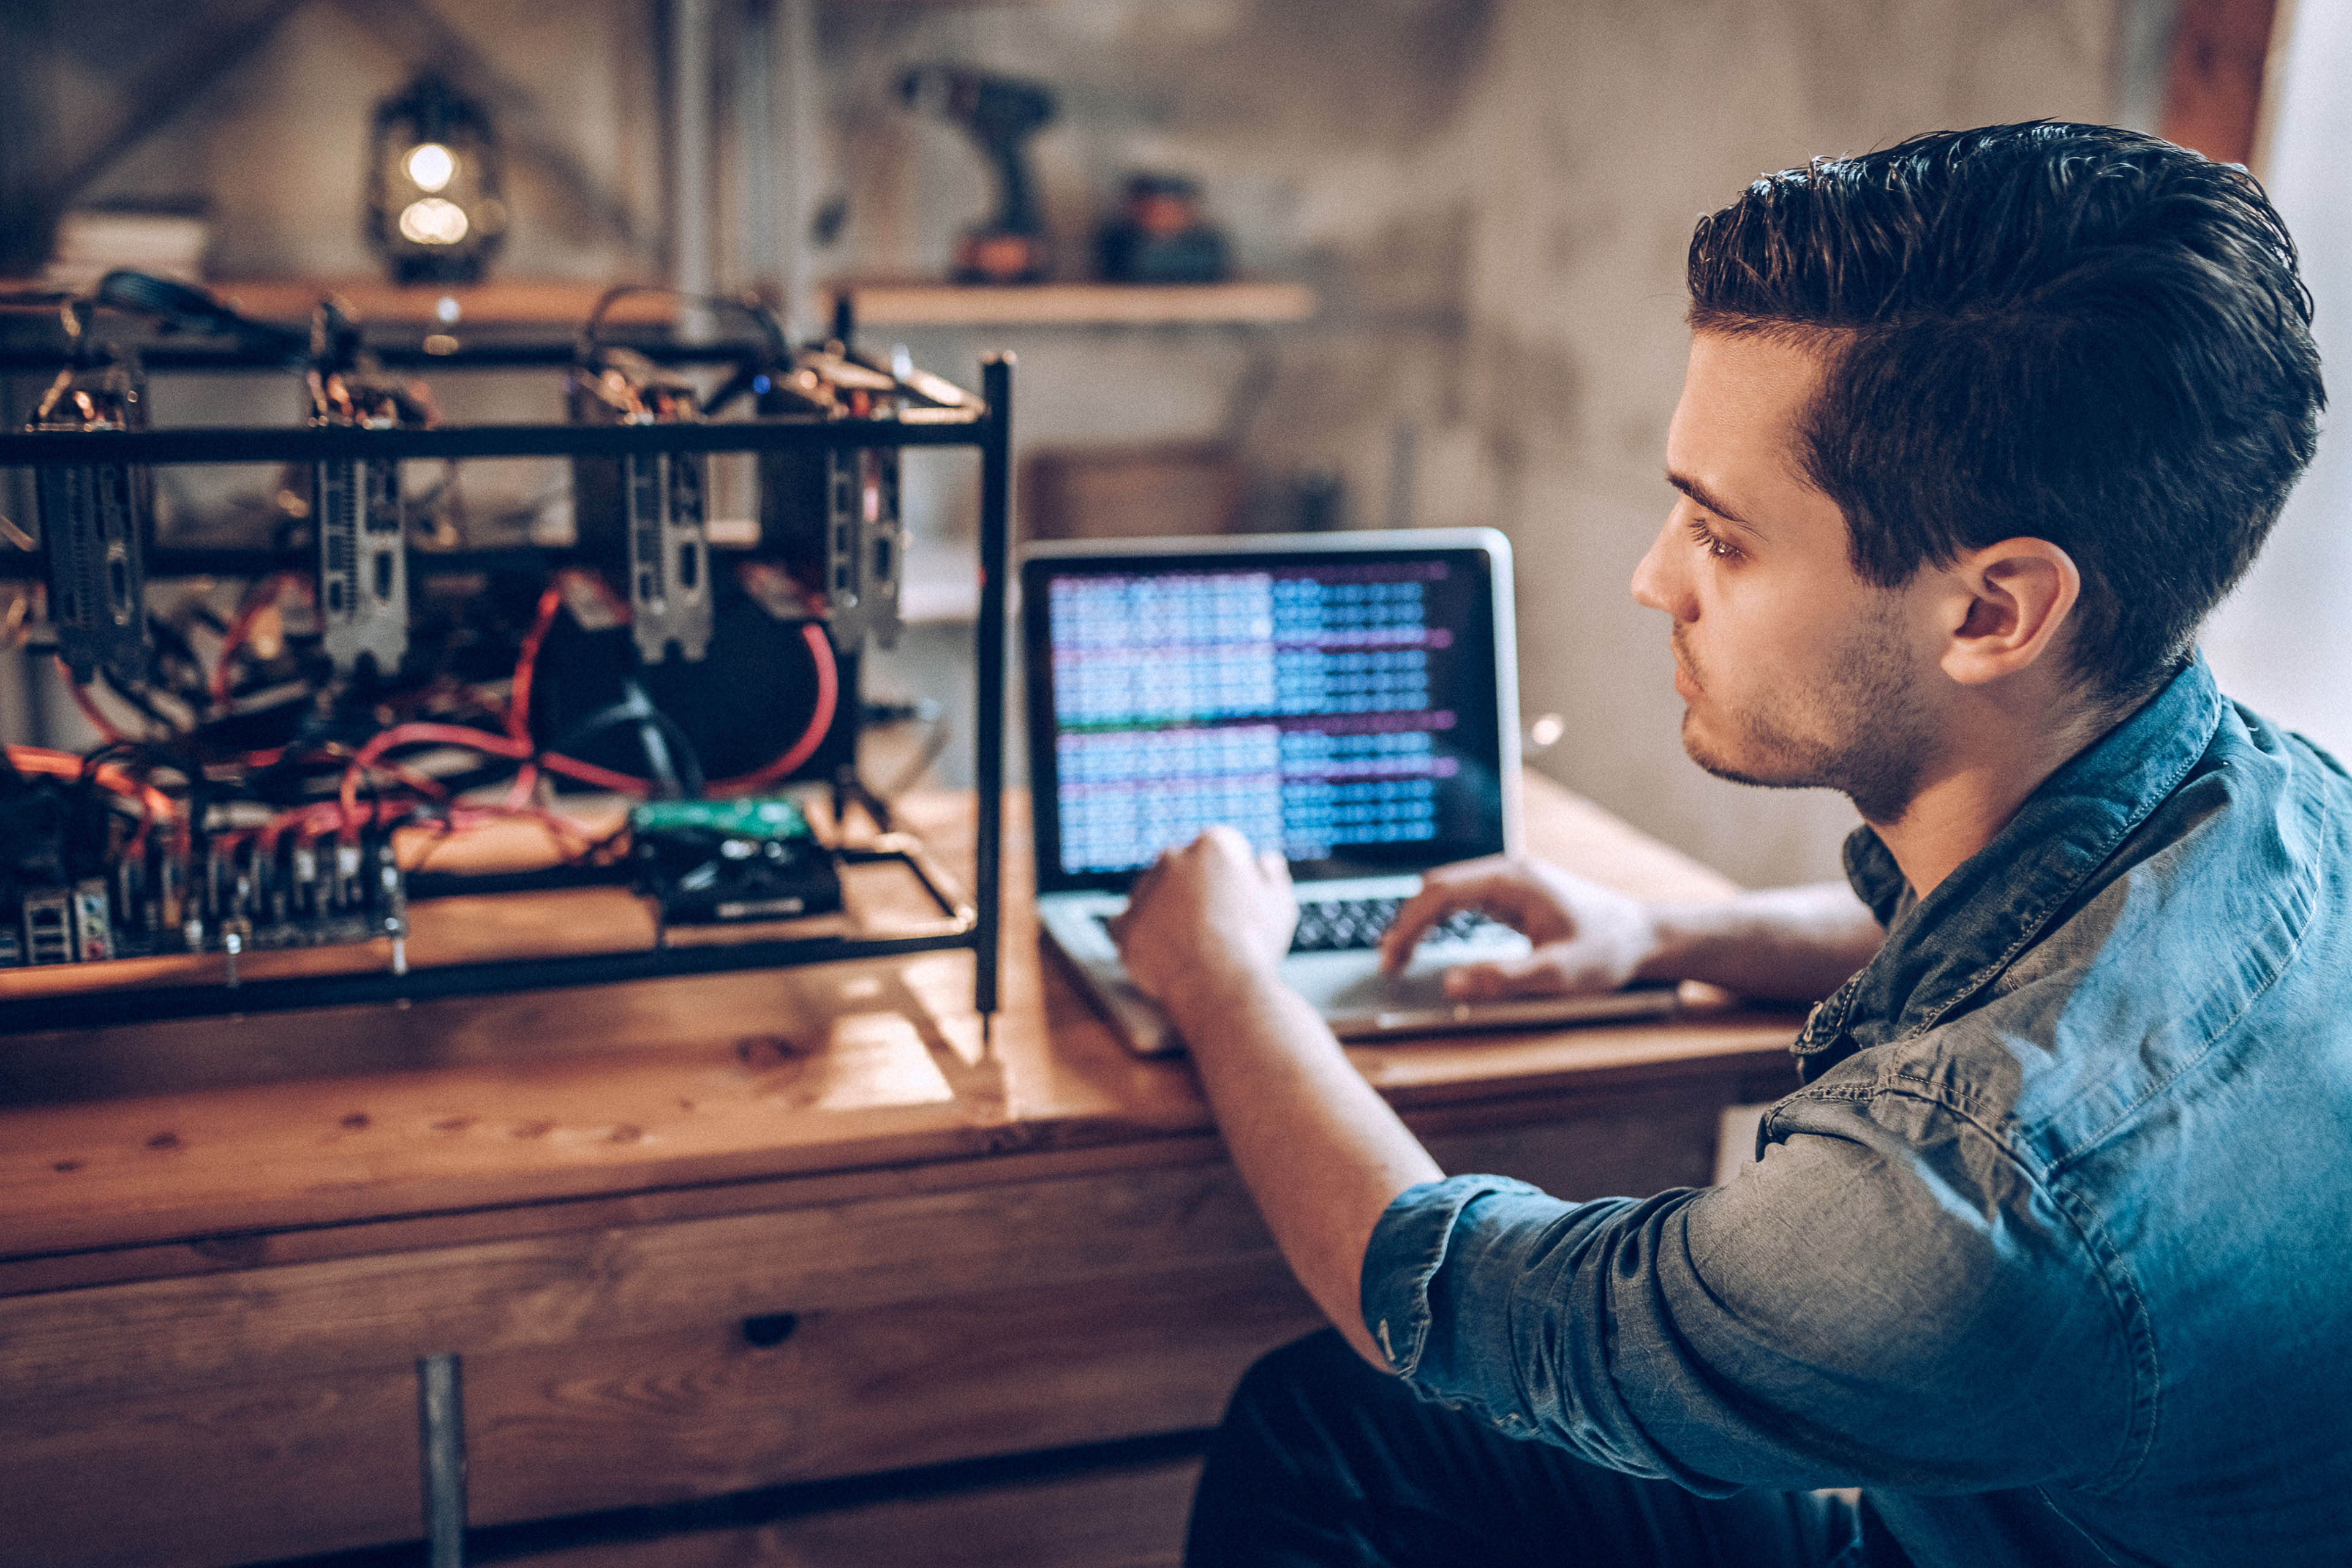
x,y
1795,944
1320,1151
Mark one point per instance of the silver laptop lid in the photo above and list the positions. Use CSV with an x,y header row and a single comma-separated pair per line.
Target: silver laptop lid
x,y
1353,698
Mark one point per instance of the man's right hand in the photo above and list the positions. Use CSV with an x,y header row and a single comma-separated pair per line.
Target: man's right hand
x,y
1586,936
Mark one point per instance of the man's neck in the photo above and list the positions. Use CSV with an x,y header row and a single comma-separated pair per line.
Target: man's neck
x,y
1998,749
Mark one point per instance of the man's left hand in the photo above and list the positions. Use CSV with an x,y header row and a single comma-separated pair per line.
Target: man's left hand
x,y
1205,915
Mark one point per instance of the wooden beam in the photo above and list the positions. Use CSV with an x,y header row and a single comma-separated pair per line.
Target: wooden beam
x,y
208,46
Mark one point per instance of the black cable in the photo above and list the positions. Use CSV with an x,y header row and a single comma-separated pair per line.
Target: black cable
x,y
663,774
172,645
181,305
677,776
137,697
778,346
761,318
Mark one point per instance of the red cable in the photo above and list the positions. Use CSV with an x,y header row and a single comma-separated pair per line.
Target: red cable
x,y
424,784
828,696
571,839
590,774
414,734
265,593
275,829
526,780
89,710
518,700
114,776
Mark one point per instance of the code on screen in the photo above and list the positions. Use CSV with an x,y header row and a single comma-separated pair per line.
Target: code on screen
x,y
1300,705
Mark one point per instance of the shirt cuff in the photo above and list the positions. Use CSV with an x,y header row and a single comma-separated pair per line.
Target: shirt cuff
x,y
1407,1249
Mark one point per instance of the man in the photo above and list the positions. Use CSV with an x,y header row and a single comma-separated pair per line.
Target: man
x,y
2047,1256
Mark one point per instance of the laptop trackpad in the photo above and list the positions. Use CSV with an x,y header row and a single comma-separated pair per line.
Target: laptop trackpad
x,y
1351,982
1361,1004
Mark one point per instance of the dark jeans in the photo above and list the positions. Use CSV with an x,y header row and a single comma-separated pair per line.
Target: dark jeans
x,y
1324,1461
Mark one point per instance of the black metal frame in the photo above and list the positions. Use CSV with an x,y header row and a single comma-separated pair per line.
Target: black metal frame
x,y
974,925
496,349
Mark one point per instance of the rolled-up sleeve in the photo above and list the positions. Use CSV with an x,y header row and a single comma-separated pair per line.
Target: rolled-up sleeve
x,y
1408,1249
1882,1301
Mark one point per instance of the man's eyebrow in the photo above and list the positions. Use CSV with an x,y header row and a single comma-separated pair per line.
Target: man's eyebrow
x,y
1707,498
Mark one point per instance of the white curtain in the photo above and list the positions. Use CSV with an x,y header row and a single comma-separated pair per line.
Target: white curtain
x,y
2282,643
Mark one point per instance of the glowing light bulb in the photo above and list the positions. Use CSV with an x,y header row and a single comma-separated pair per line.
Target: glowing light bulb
x,y
430,165
432,221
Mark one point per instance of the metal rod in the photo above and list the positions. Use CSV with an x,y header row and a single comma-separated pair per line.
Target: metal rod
x,y
796,66
753,225
689,192
988,762
476,353
233,560
991,432
293,444
934,877
144,1004
441,1434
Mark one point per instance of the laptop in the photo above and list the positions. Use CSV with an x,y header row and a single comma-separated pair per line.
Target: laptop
x,y
1351,698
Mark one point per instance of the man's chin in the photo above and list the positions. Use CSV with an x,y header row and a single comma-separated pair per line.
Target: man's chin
x,y
1702,749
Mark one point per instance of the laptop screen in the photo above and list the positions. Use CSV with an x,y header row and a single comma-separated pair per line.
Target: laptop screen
x,y
1340,704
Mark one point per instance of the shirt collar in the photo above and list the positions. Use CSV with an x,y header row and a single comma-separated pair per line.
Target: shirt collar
x,y
1942,949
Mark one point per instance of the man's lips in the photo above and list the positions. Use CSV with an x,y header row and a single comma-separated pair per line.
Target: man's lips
x,y
1686,682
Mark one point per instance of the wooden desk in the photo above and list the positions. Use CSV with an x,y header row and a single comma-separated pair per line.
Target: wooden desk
x,y
224,1243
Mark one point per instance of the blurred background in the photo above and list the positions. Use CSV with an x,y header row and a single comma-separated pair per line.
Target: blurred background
x,y
1430,254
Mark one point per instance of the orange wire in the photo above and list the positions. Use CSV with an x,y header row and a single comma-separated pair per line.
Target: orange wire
x,y
265,593
517,718
414,734
519,698
89,710
828,696
153,802
571,839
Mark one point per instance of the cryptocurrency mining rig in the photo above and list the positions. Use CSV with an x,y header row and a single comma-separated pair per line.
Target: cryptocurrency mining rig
x,y
300,735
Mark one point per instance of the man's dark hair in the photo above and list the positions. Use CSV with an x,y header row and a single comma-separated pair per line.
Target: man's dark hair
x,y
2069,333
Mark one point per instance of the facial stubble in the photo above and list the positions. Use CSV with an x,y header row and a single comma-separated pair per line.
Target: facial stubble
x,y
1864,729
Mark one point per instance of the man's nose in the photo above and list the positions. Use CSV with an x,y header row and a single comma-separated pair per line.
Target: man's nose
x,y
1656,584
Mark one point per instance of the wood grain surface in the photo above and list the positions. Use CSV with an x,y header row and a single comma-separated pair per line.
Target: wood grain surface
x,y
612,1368
223,1243
209,1132
1123,1516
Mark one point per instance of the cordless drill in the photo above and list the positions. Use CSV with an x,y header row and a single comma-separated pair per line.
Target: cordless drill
x,y
1000,114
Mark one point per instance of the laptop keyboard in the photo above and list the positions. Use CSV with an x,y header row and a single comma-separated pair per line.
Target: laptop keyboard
x,y
1352,925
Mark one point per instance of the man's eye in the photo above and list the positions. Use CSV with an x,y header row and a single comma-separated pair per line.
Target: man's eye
x,y
1714,543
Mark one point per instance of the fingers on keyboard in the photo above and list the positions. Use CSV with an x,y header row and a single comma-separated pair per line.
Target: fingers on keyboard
x,y
1347,925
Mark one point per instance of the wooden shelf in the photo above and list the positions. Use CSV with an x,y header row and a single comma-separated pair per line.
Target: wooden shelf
x,y
562,302
1072,304
502,302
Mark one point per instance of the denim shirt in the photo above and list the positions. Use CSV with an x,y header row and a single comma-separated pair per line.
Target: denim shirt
x,y
2051,1251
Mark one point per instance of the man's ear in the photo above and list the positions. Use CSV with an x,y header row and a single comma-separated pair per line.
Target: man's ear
x,y
2012,600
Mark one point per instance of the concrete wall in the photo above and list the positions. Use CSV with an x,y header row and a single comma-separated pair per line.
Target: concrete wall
x,y
1491,196
275,149
1596,133
1494,200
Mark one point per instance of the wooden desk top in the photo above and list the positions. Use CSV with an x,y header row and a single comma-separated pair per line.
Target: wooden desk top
x,y
194,1146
